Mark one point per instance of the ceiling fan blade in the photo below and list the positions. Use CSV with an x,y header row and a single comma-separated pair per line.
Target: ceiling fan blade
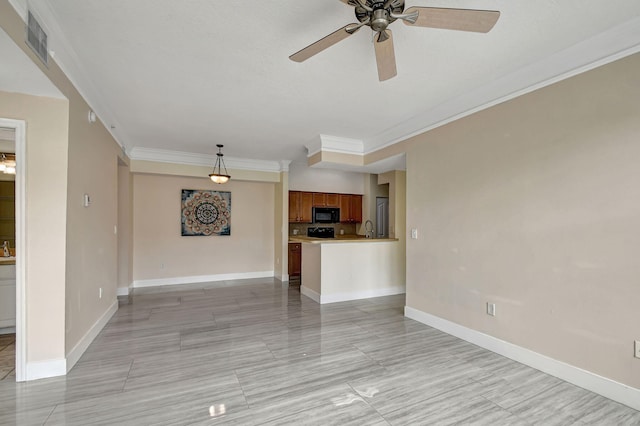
x,y
479,21
385,56
324,43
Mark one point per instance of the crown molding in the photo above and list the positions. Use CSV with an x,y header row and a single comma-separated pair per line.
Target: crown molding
x,y
284,165
207,160
329,143
596,51
606,47
20,7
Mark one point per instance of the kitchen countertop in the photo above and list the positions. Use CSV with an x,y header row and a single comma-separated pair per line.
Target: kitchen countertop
x,y
338,239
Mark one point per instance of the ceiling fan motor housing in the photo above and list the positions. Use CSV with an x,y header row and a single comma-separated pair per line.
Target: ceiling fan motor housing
x,y
379,17
380,20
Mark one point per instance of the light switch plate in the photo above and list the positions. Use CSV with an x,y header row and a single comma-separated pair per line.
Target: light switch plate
x,y
637,349
414,233
491,309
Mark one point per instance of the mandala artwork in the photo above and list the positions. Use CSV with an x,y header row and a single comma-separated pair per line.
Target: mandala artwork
x,y
206,212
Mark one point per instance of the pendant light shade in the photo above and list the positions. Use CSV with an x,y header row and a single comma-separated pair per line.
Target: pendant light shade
x,y
217,176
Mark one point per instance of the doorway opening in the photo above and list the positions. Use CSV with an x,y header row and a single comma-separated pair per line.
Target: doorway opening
x,y
12,259
382,217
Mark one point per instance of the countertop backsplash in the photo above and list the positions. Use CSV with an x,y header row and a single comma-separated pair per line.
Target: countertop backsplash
x,y
349,229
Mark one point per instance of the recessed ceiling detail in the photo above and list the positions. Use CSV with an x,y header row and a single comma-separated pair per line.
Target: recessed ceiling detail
x,y
328,143
188,158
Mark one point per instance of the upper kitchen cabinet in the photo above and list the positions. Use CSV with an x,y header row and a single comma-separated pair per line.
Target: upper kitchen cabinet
x,y
300,204
321,199
350,208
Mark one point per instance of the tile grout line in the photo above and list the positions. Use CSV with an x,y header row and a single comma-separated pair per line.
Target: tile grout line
x,y
50,414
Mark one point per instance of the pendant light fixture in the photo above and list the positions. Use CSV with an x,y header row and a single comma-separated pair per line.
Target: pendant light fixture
x,y
217,176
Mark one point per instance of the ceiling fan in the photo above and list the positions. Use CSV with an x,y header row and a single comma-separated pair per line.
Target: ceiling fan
x,y
379,14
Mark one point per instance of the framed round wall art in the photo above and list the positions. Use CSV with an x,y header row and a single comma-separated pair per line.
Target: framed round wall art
x,y
205,212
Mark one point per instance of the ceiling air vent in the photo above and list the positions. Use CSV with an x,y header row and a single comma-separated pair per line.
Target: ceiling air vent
x,y
37,38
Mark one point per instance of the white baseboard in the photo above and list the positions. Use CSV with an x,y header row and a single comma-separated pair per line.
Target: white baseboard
x,y
282,277
310,293
201,279
45,369
357,295
354,295
122,291
608,388
60,367
74,354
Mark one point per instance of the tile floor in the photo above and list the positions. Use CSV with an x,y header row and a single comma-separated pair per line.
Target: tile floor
x,y
7,356
255,353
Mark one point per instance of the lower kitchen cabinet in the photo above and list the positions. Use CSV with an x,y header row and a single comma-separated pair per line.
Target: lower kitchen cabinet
x,y
295,261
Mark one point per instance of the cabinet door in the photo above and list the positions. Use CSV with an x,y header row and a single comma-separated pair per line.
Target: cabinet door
x,y
333,200
345,208
294,206
306,206
319,199
356,208
295,259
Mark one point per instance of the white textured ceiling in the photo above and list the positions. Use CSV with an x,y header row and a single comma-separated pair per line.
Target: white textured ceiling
x,y
185,75
18,73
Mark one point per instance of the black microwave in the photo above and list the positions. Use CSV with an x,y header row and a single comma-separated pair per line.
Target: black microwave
x,y
326,215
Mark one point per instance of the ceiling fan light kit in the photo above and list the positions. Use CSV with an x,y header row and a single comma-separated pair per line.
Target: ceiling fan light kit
x,y
379,14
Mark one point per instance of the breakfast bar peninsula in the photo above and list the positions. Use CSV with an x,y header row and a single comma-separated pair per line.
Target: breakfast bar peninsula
x,y
340,269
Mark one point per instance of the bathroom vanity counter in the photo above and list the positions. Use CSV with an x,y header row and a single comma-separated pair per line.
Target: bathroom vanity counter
x,y
7,293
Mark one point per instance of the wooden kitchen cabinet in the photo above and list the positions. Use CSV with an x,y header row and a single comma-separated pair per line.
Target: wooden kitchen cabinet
x,y
295,261
323,199
356,208
300,204
350,208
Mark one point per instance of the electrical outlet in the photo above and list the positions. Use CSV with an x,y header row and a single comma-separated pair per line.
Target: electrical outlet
x,y
491,309
637,349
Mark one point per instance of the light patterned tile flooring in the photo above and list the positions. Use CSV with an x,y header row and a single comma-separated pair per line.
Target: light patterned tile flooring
x,y
7,356
254,353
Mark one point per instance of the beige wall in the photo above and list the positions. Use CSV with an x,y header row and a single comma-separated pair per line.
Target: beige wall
x,y
72,249
46,190
305,178
281,227
92,244
175,169
534,205
125,228
396,180
372,190
161,252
